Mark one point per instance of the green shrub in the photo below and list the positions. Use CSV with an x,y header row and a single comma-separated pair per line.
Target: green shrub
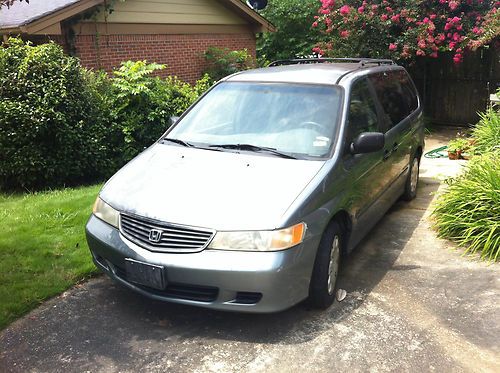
x,y
142,105
294,37
51,124
469,210
182,94
486,134
459,144
139,105
222,62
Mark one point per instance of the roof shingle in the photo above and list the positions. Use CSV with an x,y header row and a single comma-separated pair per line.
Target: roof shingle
x,y
21,13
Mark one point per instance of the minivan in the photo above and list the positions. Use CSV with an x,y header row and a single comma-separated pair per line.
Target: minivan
x,y
254,196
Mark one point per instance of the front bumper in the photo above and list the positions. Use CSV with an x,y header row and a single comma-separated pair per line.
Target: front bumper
x,y
224,280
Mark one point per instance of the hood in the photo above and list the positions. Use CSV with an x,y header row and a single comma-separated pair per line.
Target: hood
x,y
210,189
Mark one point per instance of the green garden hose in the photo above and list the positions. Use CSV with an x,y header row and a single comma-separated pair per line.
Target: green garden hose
x,y
437,153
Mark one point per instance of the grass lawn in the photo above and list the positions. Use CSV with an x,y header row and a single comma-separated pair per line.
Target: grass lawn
x,y
43,250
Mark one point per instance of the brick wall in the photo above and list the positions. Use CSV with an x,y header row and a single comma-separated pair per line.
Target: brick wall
x,y
181,53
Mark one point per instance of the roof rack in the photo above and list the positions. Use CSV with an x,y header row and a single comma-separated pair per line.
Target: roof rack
x,y
360,61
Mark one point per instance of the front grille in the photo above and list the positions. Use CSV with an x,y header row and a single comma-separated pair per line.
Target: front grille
x,y
176,290
174,238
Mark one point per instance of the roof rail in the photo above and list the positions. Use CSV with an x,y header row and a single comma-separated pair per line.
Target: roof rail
x,y
360,61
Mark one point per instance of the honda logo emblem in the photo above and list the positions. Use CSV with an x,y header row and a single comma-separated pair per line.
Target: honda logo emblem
x,y
155,235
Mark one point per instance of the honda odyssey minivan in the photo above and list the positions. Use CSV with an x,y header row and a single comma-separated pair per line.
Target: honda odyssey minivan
x,y
252,198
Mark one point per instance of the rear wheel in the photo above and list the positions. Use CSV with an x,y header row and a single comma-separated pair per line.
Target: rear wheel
x,y
326,267
412,181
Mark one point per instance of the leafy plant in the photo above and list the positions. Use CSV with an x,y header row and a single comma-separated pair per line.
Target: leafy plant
x,y
458,145
294,37
468,211
486,134
222,62
141,105
51,124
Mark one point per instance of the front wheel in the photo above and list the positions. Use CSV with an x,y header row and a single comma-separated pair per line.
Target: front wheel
x,y
412,181
326,267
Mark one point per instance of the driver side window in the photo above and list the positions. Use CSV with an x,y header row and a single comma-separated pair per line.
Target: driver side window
x,y
362,111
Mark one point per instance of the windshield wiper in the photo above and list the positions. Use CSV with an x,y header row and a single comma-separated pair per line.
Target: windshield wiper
x,y
177,141
254,148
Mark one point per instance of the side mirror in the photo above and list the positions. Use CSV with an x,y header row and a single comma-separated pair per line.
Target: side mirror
x,y
368,142
173,120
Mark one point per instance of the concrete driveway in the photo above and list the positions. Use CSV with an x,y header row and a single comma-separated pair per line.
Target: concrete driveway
x,y
413,304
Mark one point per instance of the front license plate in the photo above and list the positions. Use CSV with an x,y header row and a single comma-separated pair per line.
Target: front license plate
x,y
146,274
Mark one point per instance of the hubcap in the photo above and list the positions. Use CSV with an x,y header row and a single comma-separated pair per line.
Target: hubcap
x,y
333,267
414,175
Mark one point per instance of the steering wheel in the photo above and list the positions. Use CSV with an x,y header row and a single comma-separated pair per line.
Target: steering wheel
x,y
319,127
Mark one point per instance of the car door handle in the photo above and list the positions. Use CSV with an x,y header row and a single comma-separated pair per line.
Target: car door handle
x,y
395,147
387,154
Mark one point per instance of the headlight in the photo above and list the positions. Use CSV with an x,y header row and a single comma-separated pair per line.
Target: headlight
x,y
105,212
259,240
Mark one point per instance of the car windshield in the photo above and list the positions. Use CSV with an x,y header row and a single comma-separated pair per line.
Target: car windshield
x,y
295,119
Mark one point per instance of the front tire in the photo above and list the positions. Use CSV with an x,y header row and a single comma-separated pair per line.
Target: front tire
x,y
412,181
326,267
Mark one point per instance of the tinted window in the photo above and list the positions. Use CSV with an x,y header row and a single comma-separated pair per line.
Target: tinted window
x,y
362,111
396,95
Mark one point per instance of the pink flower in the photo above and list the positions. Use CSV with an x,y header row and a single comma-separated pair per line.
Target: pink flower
x,y
389,9
432,16
318,51
384,17
452,45
433,55
327,3
456,36
393,47
453,4
458,57
315,24
421,44
420,52
361,9
395,18
344,34
426,20
345,9
476,30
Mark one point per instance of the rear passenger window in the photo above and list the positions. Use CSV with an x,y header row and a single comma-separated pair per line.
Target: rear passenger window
x,y
362,111
396,95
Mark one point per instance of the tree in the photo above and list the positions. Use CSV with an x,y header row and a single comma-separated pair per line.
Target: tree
x,y
294,36
402,30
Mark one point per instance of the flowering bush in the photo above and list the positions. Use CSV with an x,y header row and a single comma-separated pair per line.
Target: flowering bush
x,y
402,29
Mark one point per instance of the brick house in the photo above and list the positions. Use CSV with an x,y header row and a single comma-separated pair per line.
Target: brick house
x,y
103,33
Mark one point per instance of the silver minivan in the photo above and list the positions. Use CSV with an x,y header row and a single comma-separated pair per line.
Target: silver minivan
x,y
251,200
